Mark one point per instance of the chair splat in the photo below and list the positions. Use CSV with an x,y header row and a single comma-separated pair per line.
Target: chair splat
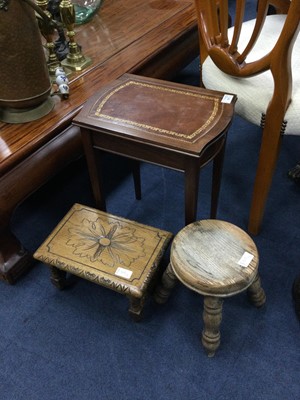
x,y
261,50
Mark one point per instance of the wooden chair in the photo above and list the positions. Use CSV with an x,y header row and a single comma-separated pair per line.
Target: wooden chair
x,y
266,51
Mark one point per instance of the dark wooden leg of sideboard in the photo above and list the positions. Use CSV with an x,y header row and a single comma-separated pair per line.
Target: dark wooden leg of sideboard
x,y
22,180
14,258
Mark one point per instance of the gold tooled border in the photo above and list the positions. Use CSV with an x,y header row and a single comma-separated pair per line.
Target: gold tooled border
x,y
154,128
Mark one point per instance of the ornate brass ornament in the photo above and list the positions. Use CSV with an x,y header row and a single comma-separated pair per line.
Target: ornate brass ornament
x,y
4,5
25,86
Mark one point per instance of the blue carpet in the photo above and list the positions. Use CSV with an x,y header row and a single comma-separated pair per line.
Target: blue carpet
x,y
81,344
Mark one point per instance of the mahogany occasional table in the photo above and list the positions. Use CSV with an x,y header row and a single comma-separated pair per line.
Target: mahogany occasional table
x,y
168,124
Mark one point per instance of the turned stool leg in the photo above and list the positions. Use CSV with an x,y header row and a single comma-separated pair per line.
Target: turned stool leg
x,y
163,290
212,317
256,293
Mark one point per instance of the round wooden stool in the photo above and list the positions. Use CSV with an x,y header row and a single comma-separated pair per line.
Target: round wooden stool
x,y
216,259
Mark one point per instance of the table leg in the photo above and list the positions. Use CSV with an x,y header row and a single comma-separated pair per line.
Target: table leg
x,y
136,308
93,158
216,180
192,172
58,278
136,172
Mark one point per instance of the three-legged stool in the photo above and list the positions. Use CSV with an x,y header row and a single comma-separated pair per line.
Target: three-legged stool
x,y
216,259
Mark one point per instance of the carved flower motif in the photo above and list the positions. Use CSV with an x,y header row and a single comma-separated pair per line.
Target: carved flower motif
x,y
108,243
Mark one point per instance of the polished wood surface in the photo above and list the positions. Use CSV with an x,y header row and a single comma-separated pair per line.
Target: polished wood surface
x,y
159,122
280,6
206,256
155,38
216,259
123,37
106,249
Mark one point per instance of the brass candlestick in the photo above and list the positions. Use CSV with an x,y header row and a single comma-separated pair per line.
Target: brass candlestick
x,y
75,60
48,31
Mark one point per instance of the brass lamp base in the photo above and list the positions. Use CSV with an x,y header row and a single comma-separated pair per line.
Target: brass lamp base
x,y
18,116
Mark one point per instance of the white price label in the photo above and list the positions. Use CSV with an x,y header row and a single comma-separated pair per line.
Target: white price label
x,y
123,273
246,259
227,98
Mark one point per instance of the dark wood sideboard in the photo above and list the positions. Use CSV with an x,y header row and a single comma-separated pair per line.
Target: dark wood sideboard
x,y
148,37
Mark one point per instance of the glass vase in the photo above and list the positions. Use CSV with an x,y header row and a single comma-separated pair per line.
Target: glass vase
x,y
85,10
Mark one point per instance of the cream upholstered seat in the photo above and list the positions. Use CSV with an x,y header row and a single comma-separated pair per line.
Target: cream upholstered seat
x,y
265,75
254,93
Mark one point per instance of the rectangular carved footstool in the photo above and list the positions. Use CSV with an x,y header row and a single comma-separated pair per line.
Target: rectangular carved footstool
x,y
111,251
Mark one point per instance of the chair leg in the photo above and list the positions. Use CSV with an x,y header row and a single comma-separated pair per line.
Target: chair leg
x,y
268,156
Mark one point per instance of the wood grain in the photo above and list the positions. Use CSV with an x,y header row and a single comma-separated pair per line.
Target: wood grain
x,y
124,36
108,250
154,38
205,257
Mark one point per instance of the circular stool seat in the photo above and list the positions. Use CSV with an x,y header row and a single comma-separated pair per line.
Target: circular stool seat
x,y
216,259
205,257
